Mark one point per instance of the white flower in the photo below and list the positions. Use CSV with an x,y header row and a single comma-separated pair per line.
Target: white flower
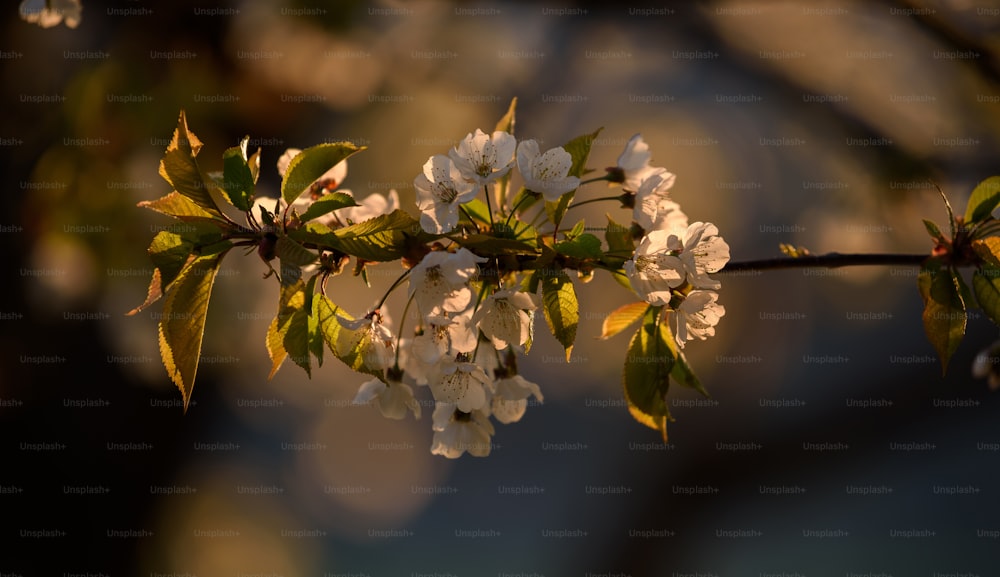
x,y
655,269
697,316
704,251
510,398
440,282
461,383
441,188
634,161
393,400
654,209
456,432
371,337
546,173
442,337
372,206
503,317
482,159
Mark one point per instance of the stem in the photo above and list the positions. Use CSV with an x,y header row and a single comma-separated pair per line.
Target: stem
x,y
395,284
597,179
399,331
513,210
489,205
618,198
829,260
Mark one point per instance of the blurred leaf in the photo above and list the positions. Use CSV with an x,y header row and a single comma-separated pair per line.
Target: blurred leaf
x,y
561,308
988,249
310,164
506,123
237,178
181,170
621,318
327,204
986,284
944,310
983,200
646,375
183,324
933,230
487,245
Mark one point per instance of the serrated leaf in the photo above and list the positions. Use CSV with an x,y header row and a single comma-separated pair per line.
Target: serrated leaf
x,y
621,318
379,239
583,246
292,253
183,324
983,200
681,372
288,333
944,313
237,178
169,253
561,308
153,293
179,168
988,249
986,285
178,206
646,374
344,343
327,204
310,164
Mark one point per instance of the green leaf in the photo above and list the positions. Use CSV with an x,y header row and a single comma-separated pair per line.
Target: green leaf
x,y
988,249
292,253
933,230
621,318
646,375
180,207
583,246
311,164
169,252
327,204
487,245
944,313
561,308
345,344
983,200
315,334
288,333
381,239
183,324
237,178
579,150
179,167
681,372
986,285
506,123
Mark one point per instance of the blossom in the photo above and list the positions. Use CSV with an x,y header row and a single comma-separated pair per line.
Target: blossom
x,y
443,336
654,209
392,399
697,316
510,398
634,162
456,432
441,188
462,384
372,206
482,158
371,338
49,13
504,319
546,173
704,251
440,282
663,261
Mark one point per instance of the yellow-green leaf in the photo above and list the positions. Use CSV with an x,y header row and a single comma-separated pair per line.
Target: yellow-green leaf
x,y
238,179
561,308
183,324
288,332
506,123
327,204
310,164
988,249
983,200
621,318
646,375
178,206
179,167
681,372
944,313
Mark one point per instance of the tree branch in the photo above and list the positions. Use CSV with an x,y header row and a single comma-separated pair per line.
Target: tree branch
x,y
829,260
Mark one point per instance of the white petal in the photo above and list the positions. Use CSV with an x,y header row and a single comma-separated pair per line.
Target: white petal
x,y
368,390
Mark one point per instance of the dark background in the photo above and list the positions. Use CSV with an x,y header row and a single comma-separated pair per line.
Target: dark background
x,y
102,474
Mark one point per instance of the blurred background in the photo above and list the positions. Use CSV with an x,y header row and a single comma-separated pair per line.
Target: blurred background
x,y
832,444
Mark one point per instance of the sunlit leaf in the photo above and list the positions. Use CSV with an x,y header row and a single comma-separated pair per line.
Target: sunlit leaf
x,y
310,164
988,249
237,178
178,206
183,323
584,246
153,293
179,167
986,285
983,200
621,318
288,333
561,308
377,239
646,375
327,204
